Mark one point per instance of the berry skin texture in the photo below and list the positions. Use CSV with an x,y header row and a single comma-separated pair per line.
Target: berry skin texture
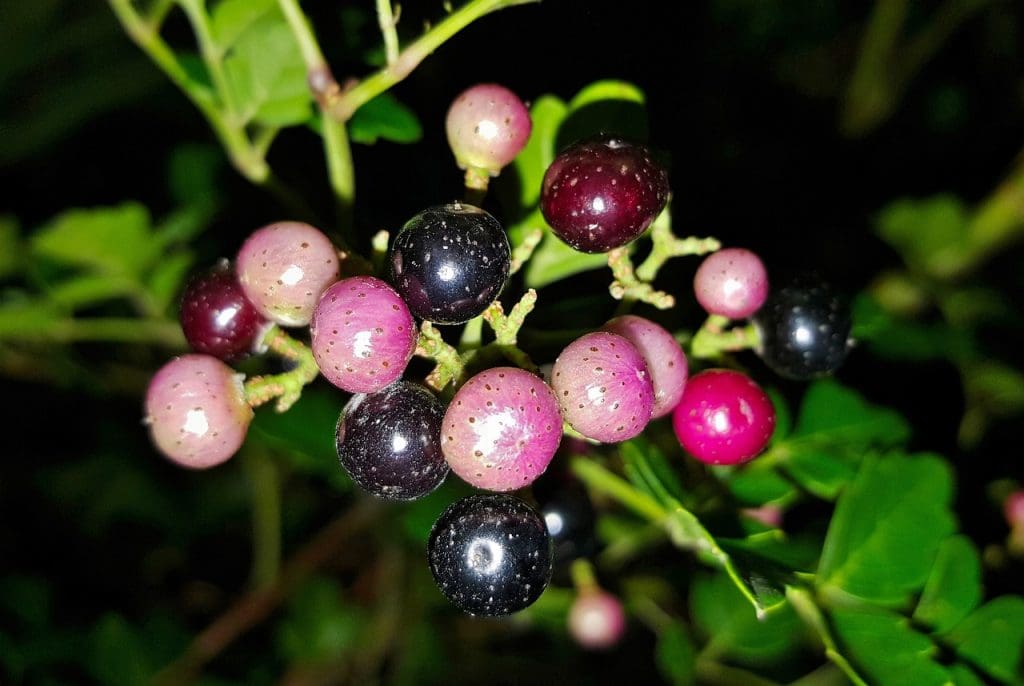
x,y
501,429
283,269
804,331
490,554
389,442
450,262
596,620
362,334
603,387
602,193
732,283
723,418
665,359
217,318
196,411
487,126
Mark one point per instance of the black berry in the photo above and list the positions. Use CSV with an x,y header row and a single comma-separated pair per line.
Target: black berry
x,y
569,516
805,330
490,554
216,316
389,442
450,262
602,193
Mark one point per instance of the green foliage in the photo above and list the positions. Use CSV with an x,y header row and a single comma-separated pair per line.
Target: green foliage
x,y
888,649
992,638
676,655
384,117
319,625
953,588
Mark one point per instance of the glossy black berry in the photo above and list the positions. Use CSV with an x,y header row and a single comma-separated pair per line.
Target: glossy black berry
x,y
389,442
217,317
602,193
569,516
805,330
450,262
490,554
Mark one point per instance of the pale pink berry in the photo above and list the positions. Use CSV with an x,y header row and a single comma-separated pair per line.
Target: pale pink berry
x,y
501,429
603,387
665,359
1013,508
363,335
723,417
732,283
596,620
487,126
769,515
283,269
196,411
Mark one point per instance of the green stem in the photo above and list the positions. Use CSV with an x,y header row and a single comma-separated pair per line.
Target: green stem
x,y
807,609
108,329
522,252
213,56
600,479
432,346
665,245
583,577
472,334
287,386
387,21
712,339
343,105
265,486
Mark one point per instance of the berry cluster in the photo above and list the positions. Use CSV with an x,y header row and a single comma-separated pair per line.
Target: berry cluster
x,y
490,554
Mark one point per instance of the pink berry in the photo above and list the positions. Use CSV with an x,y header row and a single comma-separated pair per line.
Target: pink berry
x,y
596,620
217,318
283,269
732,283
362,333
501,429
665,359
769,515
603,387
487,126
1013,508
196,411
724,417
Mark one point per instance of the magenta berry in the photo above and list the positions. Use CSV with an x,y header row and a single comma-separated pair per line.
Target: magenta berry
x,y
1013,508
283,269
596,620
487,126
196,411
602,193
723,417
665,359
732,283
362,333
501,429
217,318
603,387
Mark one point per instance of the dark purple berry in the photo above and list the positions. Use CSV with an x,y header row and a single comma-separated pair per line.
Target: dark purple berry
x,y
602,193
804,330
216,316
389,441
490,554
450,262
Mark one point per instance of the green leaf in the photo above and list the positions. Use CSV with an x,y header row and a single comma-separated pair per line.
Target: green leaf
x,y
266,76
929,233
819,471
125,654
887,528
954,587
893,337
963,676
832,413
546,113
648,469
756,484
723,615
553,260
84,291
10,246
113,240
166,281
384,117
676,656
230,19
319,626
992,638
192,173
605,106
888,650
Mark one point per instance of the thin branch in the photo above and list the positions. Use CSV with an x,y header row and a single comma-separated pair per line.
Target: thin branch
x,y
388,22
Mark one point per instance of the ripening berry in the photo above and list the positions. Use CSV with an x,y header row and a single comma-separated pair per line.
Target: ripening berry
x,y
665,359
389,442
283,269
603,387
602,193
1013,508
362,334
804,331
196,411
450,262
217,318
501,429
487,126
490,554
723,417
732,283
596,620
